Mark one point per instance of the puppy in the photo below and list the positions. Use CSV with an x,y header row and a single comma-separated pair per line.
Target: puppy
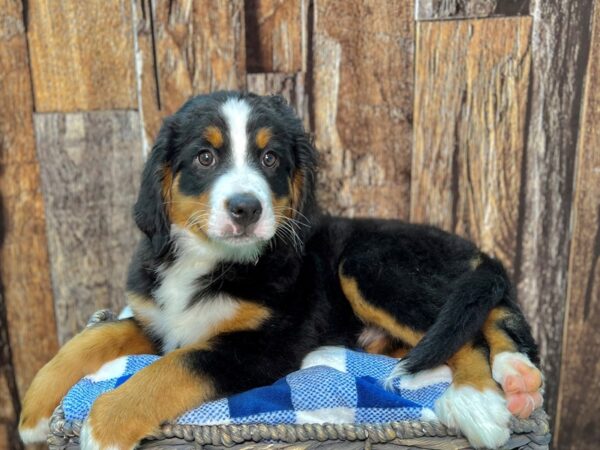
x,y
238,276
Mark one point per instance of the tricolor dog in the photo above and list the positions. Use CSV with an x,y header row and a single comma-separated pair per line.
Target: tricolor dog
x,y
238,276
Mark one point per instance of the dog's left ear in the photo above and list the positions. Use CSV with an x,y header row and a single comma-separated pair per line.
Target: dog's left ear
x,y
150,211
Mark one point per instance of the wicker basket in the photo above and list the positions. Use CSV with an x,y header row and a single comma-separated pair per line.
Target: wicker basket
x,y
532,433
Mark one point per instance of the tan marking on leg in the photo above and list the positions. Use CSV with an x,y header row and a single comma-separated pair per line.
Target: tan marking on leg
x,y
82,355
263,136
372,315
155,394
495,336
470,366
249,316
214,136
187,212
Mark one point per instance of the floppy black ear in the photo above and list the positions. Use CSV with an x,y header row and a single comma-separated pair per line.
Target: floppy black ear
x,y
150,210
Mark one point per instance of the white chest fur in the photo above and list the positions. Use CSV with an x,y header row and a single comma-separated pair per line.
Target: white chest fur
x,y
177,320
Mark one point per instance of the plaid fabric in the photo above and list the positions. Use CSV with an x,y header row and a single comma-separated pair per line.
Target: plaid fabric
x,y
335,385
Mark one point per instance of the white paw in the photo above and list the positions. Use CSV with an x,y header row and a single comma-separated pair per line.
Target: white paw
x,y
87,441
39,433
504,365
481,416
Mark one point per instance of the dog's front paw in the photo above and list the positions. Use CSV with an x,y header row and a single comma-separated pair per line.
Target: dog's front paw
x,y
114,423
34,430
482,416
39,403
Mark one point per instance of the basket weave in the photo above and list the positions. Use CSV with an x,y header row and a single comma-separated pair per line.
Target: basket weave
x,y
532,433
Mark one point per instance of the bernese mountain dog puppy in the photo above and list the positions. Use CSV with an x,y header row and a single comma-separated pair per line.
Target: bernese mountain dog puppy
x,y
238,276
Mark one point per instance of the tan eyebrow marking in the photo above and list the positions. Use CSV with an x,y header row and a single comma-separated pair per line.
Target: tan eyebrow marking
x,y
214,136
263,136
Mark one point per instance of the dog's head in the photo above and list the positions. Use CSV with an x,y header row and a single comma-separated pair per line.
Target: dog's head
x,y
233,169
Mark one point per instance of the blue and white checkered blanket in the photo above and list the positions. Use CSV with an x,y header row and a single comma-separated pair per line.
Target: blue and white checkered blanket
x,y
335,385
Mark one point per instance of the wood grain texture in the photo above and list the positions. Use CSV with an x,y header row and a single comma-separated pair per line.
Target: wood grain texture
x,y
456,9
560,50
276,35
362,95
91,164
578,408
9,397
26,310
290,86
469,133
81,55
198,47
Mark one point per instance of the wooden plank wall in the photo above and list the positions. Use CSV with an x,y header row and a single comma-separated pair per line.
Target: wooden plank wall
x,y
462,113
580,368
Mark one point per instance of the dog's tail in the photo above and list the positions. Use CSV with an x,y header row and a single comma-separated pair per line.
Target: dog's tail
x,y
461,317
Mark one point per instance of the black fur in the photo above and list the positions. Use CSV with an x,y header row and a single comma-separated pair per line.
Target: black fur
x,y
424,277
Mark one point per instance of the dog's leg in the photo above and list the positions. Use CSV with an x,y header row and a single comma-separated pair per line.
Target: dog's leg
x,y
119,419
178,382
473,403
512,351
82,355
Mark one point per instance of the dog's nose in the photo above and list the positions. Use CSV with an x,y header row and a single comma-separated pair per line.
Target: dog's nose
x,y
244,209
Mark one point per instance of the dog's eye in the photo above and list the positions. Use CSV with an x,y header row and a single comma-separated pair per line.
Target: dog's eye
x,y
206,158
269,159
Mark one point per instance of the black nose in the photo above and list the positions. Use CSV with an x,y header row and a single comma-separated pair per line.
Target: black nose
x,y
244,209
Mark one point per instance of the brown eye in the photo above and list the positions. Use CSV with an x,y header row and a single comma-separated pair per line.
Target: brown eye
x,y
269,159
206,158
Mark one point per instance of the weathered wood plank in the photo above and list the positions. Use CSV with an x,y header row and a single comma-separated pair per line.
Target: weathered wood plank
x,y
290,86
81,55
560,51
457,9
9,397
28,331
198,47
276,35
469,133
90,164
578,408
362,93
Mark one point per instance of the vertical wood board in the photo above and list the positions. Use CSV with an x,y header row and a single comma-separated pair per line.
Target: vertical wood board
x,y
362,95
560,50
81,55
276,35
28,334
578,408
290,86
198,47
91,163
470,106
24,273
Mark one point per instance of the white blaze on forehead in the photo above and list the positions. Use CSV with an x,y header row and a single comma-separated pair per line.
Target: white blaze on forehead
x,y
236,112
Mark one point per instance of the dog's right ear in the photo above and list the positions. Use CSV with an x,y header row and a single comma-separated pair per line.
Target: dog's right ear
x,y
150,210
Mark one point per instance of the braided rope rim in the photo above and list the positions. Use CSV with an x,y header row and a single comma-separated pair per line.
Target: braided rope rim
x,y
64,431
